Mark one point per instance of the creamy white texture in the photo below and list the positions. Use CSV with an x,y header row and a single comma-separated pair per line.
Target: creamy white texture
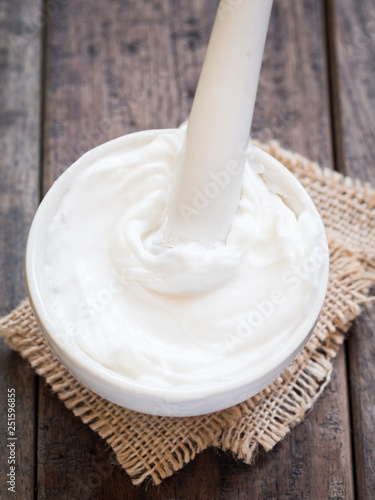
x,y
221,116
174,313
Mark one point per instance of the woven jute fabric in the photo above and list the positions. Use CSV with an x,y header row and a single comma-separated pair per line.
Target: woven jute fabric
x,y
153,448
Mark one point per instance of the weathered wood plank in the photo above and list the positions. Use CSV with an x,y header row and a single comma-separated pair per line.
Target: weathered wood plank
x,y
352,30
117,67
292,103
20,91
293,107
111,68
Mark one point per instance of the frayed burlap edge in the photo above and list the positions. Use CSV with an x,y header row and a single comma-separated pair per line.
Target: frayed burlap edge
x,y
346,205
153,448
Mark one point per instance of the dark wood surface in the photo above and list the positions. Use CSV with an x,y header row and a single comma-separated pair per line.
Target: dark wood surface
x,y
20,139
352,48
75,74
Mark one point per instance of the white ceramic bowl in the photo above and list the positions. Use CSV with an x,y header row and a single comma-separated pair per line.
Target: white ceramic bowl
x,y
129,393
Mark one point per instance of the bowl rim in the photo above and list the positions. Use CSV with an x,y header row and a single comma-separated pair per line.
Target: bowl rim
x,y
80,361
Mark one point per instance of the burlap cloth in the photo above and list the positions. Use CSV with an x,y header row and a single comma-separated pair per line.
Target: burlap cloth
x,y
153,448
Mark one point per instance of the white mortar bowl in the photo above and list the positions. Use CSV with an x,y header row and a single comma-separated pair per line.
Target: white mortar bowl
x,y
130,393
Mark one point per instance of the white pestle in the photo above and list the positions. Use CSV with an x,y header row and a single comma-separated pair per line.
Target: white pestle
x,y
208,182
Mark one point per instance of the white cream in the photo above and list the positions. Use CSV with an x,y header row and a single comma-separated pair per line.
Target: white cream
x,y
174,313
221,116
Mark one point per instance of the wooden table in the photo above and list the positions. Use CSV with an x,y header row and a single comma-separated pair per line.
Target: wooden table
x,y
76,73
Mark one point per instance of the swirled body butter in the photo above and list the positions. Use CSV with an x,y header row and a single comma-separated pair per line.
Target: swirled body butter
x,y
172,314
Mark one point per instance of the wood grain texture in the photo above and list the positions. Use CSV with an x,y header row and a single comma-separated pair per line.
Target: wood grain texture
x,y
292,102
20,91
352,42
293,107
113,68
